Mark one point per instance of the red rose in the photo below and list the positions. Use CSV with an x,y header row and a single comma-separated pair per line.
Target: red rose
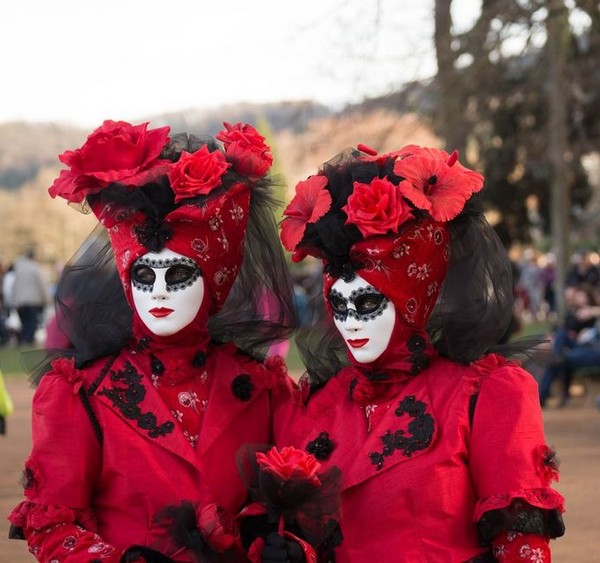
x,y
310,203
290,463
377,208
115,152
246,149
197,173
437,182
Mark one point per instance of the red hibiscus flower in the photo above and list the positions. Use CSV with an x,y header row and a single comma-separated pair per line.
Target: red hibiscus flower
x,y
115,152
290,463
310,203
197,173
246,148
437,182
377,208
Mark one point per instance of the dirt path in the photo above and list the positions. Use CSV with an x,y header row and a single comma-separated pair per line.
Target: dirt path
x,y
574,431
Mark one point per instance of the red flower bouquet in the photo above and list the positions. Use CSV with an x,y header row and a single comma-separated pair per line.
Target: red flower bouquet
x,y
377,208
297,497
115,152
197,173
246,149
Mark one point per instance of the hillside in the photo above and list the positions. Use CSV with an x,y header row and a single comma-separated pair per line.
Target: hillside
x,y
303,136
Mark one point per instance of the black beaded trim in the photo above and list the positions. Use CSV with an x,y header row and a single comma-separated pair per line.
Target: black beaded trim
x,y
352,312
199,359
127,400
242,387
420,432
417,345
321,447
157,367
166,263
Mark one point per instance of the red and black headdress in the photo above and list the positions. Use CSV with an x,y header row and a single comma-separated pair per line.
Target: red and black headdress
x,y
410,223
206,198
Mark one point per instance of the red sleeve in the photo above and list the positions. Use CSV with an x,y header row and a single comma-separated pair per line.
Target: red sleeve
x,y
508,452
60,474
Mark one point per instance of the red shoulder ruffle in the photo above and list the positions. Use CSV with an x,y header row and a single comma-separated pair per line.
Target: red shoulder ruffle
x,y
38,516
545,498
65,367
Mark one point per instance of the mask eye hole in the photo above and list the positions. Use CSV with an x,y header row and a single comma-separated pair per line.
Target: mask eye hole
x,y
338,303
368,303
143,275
179,274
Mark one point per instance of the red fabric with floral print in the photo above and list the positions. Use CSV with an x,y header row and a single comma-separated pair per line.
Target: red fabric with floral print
x,y
514,547
211,234
408,268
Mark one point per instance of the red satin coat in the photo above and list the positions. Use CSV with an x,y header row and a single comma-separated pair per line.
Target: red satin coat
x,y
114,482
415,483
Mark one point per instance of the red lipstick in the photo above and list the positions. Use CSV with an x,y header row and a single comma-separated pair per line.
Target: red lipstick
x,y
160,312
358,342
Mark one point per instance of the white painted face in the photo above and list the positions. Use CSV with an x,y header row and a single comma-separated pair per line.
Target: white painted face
x,y
364,317
167,290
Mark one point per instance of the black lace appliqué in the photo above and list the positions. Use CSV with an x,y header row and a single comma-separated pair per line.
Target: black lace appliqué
x,y
420,432
128,398
153,235
521,517
416,345
142,344
242,387
321,447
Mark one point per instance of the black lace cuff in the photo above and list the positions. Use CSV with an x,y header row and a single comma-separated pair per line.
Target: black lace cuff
x,y
520,517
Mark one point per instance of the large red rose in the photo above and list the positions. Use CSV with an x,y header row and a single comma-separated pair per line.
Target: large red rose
x,y
290,463
310,203
377,208
246,149
115,152
437,182
197,173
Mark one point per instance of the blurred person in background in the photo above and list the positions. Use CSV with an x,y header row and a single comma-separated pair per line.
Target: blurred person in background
x,y
29,295
575,342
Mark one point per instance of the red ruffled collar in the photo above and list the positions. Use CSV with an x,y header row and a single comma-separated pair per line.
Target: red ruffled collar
x,y
174,358
408,353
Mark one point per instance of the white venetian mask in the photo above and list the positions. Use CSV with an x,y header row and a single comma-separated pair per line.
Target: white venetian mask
x,y
167,290
364,317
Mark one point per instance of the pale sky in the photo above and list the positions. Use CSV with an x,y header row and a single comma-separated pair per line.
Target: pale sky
x,y
83,61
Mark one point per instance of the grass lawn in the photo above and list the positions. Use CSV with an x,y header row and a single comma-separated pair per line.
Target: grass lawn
x,y
10,360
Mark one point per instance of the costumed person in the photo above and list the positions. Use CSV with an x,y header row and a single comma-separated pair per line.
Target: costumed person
x,y
440,442
136,427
